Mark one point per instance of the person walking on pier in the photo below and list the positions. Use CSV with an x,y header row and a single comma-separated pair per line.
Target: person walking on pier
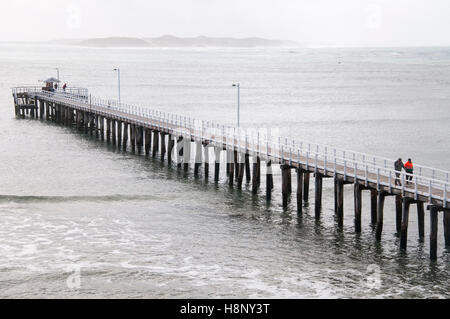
x,y
64,87
398,170
409,168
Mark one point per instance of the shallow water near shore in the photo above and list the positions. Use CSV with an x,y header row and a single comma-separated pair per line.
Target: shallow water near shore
x,y
134,227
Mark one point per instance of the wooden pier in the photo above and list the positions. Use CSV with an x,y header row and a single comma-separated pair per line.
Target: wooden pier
x,y
184,141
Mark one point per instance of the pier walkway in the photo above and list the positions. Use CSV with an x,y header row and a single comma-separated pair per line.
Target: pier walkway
x,y
123,124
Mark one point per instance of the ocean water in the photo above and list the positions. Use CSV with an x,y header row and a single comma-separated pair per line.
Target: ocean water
x,y
80,219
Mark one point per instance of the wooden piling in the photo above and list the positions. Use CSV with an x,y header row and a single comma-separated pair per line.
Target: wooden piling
x,y
102,127
163,146
446,217
318,191
139,138
47,111
108,129
186,152
57,113
63,114
358,207
306,186
41,109
91,124
241,169
133,137
179,150
217,152
335,196
97,123
256,173
155,143
71,116
269,180
236,164
77,119
113,132
125,136
85,120
340,202
148,138
398,213
433,232
171,146
119,134
299,190
421,220
373,206
228,163
231,175
405,221
380,214
284,184
206,161
198,157
289,180
247,168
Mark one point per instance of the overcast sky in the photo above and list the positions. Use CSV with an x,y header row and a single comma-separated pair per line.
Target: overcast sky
x,y
312,22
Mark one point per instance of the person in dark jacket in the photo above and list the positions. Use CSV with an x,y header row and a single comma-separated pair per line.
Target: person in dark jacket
x,y
398,170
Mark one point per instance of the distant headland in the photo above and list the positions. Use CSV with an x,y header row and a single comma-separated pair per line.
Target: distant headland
x,y
174,41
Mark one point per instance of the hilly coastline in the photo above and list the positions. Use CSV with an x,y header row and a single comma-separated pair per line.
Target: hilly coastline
x,y
173,41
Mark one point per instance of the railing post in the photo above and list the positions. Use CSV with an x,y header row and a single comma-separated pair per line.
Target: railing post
x,y
307,161
290,156
367,176
403,184
378,179
445,195
345,170
316,168
430,189
390,181
335,173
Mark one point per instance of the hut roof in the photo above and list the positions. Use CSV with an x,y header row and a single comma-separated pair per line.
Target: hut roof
x,y
51,80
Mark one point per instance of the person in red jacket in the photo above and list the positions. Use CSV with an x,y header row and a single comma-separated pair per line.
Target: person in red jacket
x,y
409,168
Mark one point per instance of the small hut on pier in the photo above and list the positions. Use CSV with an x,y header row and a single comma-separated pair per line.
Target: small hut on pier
x,y
50,84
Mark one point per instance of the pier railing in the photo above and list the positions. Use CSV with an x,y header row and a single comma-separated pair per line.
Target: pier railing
x,y
81,93
425,182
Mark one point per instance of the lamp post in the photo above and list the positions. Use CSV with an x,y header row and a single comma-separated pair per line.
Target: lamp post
x,y
238,85
118,75
57,70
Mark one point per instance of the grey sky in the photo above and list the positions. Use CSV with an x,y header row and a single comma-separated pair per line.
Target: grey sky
x,y
313,22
